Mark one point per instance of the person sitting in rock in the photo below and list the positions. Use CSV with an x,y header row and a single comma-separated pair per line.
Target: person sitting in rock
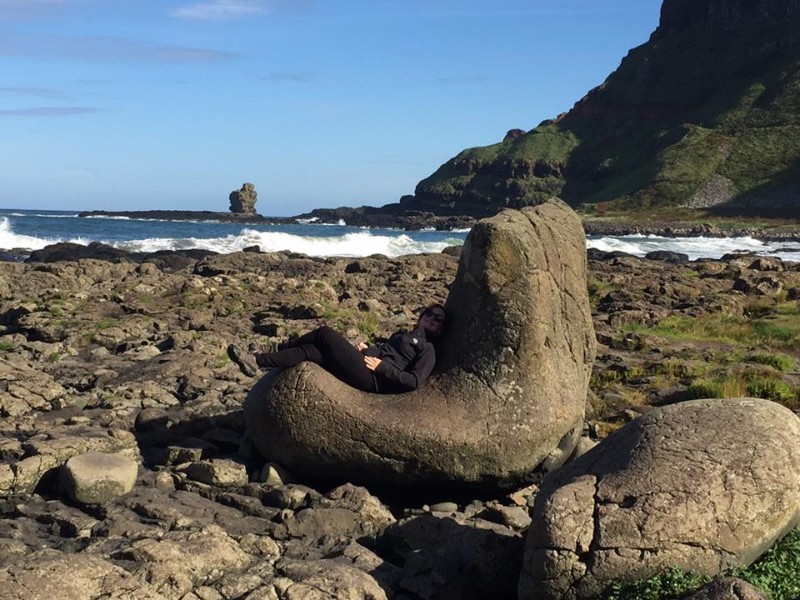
x,y
400,364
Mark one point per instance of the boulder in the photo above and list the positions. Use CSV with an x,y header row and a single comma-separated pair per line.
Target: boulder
x,y
702,485
727,588
513,372
244,200
96,477
221,472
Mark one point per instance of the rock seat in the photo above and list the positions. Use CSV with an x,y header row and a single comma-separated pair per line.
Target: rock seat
x,y
512,374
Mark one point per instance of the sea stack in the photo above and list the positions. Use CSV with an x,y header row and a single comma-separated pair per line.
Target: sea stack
x,y
243,201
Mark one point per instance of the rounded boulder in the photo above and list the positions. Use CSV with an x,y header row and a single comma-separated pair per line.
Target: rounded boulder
x,y
701,485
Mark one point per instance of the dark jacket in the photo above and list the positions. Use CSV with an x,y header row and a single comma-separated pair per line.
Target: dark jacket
x,y
407,359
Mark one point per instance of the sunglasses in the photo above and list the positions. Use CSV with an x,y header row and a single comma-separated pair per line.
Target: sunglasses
x,y
438,317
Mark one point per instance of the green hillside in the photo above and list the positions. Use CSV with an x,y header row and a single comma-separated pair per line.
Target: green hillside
x,y
704,116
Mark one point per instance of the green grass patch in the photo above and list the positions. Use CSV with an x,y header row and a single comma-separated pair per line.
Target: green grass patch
x,y
107,323
669,584
739,384
781,362
6,346
777,573
780,331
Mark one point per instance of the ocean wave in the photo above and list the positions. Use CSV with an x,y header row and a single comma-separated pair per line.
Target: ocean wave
x,y
354,243
43,215
694,247
10,240
350,244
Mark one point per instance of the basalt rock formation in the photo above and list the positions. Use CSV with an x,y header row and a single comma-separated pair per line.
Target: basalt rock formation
x,y
705,115
243,201
514,369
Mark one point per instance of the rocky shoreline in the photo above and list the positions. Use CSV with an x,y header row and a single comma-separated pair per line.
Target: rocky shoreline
x,y
353,217
122,353
387,218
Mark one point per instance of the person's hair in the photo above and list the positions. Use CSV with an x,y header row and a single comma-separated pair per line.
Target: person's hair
x,y
432,306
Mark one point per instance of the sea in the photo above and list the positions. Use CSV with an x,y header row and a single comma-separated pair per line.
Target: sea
x,y
35,229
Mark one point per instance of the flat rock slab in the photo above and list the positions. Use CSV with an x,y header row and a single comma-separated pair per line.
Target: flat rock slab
x,y
218,471
50,574
701,485
514,366
96,477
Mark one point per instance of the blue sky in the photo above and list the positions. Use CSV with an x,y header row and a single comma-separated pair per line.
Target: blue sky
x,y
172,104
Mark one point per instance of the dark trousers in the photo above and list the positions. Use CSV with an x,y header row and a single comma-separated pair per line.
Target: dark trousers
x,y
331,351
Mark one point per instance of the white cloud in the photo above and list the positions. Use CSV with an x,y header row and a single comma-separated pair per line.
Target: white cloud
x,y
36,92
49,111
28,2
104,49
221,10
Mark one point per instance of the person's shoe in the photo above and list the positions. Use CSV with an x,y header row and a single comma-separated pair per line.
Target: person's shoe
x,y
269,347
246,363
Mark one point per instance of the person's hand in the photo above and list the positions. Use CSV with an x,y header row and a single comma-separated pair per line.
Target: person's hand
x,y
361,346
372,362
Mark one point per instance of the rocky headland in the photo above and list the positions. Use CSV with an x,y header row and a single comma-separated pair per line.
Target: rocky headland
x,y
111,361
701,118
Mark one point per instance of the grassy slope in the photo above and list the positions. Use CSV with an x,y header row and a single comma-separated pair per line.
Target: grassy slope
x,y
681,117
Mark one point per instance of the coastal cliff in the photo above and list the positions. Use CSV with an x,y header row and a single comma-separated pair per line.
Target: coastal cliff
x,y
705,116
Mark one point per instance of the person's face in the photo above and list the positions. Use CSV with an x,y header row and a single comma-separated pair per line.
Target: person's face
x,y
432,319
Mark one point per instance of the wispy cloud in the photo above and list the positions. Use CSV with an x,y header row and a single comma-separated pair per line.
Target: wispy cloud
x,y
30,2
504,13
287,77
33,92
50,111
221,10
104,49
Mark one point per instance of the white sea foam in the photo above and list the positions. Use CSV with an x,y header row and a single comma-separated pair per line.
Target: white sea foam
x,y
43,215
364,242
349,244
9,239
696,247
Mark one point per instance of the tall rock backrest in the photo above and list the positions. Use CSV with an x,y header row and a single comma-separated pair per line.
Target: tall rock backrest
x,y
518,308
511,380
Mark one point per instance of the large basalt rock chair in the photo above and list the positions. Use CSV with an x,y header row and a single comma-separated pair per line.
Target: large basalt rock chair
x,y
510,388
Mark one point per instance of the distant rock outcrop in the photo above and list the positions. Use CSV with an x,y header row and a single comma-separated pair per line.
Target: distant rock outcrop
x,y
514,370
711,103
243,201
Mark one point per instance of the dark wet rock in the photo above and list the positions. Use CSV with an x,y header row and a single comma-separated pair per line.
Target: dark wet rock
x,y
68,251
667,256
451,558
